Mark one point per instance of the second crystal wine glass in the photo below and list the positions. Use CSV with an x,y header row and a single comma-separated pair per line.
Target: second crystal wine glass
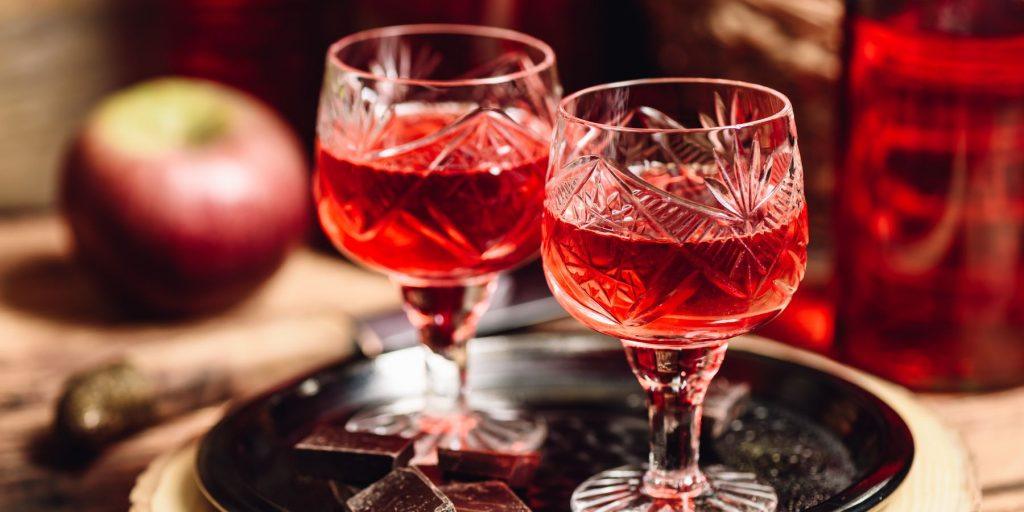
x,y
675,220
432,144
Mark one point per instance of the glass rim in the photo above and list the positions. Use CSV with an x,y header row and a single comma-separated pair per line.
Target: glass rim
x,y
786,110
440,29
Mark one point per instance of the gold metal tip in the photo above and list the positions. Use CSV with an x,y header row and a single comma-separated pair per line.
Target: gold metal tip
x,y
103,404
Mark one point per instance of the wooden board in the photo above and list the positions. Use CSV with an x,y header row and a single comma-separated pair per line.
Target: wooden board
x,y
940,480
992,424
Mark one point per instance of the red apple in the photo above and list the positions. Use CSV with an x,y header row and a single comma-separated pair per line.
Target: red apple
x,y
183,195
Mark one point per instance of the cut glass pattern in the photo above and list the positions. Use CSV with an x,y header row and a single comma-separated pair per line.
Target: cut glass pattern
x,y
694,189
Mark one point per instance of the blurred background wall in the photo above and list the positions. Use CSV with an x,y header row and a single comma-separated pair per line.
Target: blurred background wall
x,y
60,56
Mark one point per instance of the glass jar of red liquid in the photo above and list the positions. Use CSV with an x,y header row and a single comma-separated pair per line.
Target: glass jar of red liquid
x,y
930,193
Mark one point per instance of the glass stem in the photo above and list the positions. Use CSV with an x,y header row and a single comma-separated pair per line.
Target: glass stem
x,y
675,381
446,317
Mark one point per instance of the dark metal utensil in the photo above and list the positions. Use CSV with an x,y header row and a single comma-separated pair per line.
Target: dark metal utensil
x,y
103,404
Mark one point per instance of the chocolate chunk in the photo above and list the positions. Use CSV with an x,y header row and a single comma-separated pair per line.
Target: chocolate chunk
x,y
402,490
351,457
724,402
515,469
432,472
484,497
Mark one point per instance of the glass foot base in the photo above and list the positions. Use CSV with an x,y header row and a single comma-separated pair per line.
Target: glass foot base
x,y
621,490
497,430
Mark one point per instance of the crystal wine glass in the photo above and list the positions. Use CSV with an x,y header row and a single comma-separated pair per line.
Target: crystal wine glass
x,y
674,220
432,145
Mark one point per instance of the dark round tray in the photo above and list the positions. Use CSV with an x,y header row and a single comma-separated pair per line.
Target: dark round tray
x,y
824,443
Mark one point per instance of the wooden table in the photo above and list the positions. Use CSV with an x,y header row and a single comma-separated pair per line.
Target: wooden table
x,y
52,323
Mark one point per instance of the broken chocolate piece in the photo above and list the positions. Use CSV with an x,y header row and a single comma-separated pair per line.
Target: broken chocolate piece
x,y
351,457
402,490
725,402
515,469
432,472
484,497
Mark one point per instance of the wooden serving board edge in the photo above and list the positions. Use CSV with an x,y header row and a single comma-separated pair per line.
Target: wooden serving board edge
x,y
941,479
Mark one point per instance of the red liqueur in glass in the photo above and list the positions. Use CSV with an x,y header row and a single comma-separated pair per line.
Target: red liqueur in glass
x,y
433,210
675,220
664,290
432,145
